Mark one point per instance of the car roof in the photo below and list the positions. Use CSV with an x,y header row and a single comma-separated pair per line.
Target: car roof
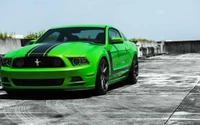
x,y
83,25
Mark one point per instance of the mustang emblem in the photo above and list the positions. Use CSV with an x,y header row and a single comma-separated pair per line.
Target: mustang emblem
x,y
37,62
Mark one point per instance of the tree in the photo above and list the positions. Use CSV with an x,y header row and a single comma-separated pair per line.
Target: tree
x,y
6,35
34,35
140,40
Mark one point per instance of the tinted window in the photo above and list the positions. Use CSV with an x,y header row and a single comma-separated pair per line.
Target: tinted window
x,y
113,33
84,34
125,38
88,33
52,37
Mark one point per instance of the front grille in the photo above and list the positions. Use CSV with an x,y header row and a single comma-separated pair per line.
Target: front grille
x,y
38,62
38,82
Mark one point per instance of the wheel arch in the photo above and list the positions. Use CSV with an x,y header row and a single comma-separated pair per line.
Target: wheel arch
x,y
104,56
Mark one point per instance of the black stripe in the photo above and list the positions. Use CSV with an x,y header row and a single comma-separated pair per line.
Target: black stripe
x,y
31,50
40,51
47,52
111,64
36,55
110,60
116,49
42,48
122,69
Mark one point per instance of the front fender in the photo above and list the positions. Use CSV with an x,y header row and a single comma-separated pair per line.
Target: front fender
x,y
95,56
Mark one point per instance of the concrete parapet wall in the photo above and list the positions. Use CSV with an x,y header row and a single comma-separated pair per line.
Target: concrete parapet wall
x,y
182,47
9,44
147,49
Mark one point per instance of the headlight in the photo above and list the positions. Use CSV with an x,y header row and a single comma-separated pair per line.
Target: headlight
x,y
78,61
6,62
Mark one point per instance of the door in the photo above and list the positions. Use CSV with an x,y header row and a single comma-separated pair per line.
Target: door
x,y
121,48
113,57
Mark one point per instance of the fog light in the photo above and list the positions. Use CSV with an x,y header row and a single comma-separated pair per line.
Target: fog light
x,y
57,62
5,79
19,62
76,79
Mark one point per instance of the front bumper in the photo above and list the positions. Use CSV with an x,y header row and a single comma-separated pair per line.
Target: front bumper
x,y
76,78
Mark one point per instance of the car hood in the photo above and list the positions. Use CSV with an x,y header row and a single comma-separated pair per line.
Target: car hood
x,y
70,49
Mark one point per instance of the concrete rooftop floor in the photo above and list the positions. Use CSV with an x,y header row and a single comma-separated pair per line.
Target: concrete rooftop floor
x,y
167,92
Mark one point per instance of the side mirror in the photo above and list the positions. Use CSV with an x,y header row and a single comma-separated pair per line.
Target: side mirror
x,y
32,42
116,40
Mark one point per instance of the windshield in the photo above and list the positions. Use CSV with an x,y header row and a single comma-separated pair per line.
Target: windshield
x,y
80,34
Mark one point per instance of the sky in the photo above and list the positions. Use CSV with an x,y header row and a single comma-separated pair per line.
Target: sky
x,y
150,19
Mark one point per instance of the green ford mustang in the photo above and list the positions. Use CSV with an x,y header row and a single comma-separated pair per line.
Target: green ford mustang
x,y
74,57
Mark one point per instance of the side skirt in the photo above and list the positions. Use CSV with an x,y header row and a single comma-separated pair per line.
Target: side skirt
x,y
117,77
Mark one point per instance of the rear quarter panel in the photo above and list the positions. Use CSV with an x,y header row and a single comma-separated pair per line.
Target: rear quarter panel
x,y
132,50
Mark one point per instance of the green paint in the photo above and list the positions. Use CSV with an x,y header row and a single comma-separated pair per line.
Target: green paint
x,y
119,60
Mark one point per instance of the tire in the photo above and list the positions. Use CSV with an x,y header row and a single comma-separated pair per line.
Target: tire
x,y
133,72
101,84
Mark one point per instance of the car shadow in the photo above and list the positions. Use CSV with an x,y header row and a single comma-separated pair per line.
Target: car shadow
x,y
58,95
46,95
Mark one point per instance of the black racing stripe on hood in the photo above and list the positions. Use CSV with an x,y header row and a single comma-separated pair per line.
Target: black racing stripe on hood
x,y
47,52
41,50
31,50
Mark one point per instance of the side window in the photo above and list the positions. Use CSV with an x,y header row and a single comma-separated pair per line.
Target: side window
x,y
125,38
113,33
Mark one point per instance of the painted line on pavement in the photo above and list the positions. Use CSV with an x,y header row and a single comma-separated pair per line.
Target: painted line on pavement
x,y
196,82
184,119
